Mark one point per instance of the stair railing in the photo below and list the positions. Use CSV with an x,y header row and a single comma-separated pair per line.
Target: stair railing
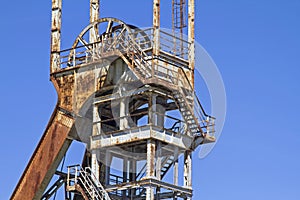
x,y
84,178
125,43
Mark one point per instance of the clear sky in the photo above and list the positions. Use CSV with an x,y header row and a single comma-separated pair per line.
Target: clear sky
x,y
256,47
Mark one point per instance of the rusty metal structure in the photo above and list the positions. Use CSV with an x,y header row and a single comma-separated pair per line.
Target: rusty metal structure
x,y
136,86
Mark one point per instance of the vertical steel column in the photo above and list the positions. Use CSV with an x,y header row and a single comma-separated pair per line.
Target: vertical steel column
x,y
132,175
161,111
191,35
150,158
149,193
125,175
108,159
96,120
95,165
150,168
158,160
156,29
187,169
94,16
124,110
152,119
154,109
55,36
94,10
156,26
96,131
175,170
158,166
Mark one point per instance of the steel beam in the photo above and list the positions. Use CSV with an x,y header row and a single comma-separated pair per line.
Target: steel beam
x,y
46,158
158,160
156,31
151,182
150,168
152,109
161,109
191,38
187,179
123,114
94,10
156,26
150,158
95,165
125,175
55,35
96,131
132,175
94,16
108,160
175,169
142,133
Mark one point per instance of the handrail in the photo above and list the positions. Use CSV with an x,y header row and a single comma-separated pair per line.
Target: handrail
x,y
86,179
126,42
181,80
186,78
165,41
210,119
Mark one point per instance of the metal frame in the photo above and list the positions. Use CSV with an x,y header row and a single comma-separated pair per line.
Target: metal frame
x,y
163,64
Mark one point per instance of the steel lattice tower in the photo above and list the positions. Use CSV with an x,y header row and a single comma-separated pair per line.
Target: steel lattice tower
x,y
128,93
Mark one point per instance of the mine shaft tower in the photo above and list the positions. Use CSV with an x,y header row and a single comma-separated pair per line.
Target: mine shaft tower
x,y
128,93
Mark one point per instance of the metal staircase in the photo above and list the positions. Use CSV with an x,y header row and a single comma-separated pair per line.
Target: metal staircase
x,y
84,181
167,163
186,111
198,122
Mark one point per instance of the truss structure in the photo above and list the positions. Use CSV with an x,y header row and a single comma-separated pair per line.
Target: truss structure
x,y
128,93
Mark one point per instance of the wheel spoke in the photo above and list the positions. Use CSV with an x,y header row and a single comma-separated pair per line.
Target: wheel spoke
x,y
109,26
84,43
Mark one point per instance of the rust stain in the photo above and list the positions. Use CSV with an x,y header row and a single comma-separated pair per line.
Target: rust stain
x,y
75,88
152,153
29,186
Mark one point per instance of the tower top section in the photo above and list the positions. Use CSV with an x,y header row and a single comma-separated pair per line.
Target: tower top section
x,y
180,47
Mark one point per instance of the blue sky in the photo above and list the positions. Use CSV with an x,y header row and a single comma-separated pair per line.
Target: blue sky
x,y
256,47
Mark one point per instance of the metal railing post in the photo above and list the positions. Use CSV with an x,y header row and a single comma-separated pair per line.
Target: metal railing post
x,y
75,178
74,57
68,177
